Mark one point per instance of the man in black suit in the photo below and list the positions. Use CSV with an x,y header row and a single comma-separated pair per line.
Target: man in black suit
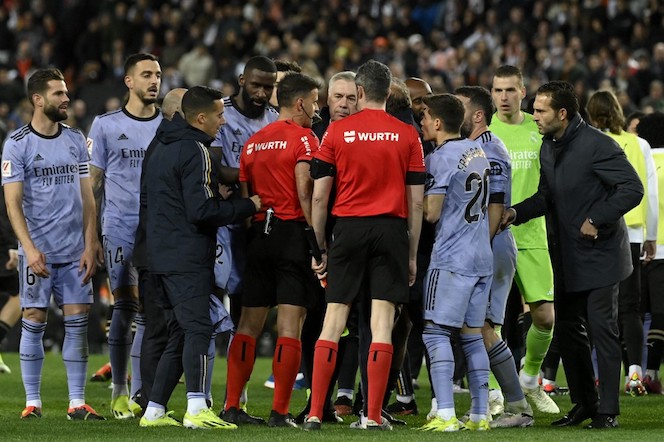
x,y
586,186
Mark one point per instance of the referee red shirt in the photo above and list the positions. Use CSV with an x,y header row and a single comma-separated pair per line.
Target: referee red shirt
x,y
268,164
372,152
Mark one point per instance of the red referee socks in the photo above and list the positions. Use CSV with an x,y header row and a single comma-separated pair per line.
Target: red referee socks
x,y
285,365
241,357
378,369
325,359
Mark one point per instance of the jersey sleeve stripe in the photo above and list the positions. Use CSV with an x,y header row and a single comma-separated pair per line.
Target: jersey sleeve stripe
x,y
83,169
207,170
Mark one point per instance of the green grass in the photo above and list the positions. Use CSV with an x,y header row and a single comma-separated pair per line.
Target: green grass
x,y
641,419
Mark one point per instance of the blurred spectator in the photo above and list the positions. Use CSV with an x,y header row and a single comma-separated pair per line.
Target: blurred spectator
x,y
197,66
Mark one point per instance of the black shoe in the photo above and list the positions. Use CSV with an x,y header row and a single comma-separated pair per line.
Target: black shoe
x,y
391,419
311,424
331,416
577,415
343,406
281,420
240,417
602,421
401,408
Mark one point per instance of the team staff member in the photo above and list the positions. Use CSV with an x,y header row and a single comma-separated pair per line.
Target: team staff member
x,y
118,141
155,336
45,165
376,234
275,164
585,188
650,129
184,210
605,113
478,114
341,101
534,274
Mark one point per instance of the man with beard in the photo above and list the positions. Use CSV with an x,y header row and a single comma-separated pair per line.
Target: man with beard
x,y
45,165
118,141
245,113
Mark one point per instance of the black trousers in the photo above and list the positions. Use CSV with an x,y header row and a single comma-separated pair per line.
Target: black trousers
x,y
629,312
578,315
155,336
190,330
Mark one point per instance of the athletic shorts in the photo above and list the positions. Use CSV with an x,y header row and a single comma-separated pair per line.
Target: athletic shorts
x,y
452,299
118,255
652,285
9,285
279,267
221,320
372,249
534,275
223,260
65,283
504,264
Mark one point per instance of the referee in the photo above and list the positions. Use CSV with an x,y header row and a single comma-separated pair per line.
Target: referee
x,y
275,164
376,234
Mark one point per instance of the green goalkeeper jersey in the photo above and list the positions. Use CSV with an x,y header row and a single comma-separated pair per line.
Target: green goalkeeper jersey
x,y
523,142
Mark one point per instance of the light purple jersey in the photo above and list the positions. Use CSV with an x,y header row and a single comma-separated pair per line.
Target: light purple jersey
x,y
459,170
50,168
232,136
118,142
237,130
500,180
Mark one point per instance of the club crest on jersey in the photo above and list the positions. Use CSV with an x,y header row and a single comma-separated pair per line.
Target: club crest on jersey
x,y
6,168
72,152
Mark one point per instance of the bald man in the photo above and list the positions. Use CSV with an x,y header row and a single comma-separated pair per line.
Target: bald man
x,y
172,103
418,89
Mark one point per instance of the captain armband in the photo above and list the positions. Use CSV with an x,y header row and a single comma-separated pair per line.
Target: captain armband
x,y
497,198
415,178
321,169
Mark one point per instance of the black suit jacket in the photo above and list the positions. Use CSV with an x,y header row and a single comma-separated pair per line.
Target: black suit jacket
x,y
585,174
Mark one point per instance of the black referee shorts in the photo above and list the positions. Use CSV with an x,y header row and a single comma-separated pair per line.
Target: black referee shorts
x,y
279,267
375,248
9,285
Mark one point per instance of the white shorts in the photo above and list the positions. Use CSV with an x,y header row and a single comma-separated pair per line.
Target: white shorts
x,y
65,283
504,266
118,255
452,299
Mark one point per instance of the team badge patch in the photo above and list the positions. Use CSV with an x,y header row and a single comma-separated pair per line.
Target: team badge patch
x,y
7,168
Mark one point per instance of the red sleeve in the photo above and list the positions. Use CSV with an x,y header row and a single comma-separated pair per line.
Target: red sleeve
x,y
306,147
416,162
326,149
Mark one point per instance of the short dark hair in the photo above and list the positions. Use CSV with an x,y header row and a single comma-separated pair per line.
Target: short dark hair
x,y
448,108
636,115
562,97
479,97
287,66
133,60
375,78
650,129
605,112
261,63
294,86
399,99
506,70
38,82
199,99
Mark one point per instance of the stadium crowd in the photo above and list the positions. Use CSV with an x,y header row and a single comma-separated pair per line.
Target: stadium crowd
x,y
202,58
590,43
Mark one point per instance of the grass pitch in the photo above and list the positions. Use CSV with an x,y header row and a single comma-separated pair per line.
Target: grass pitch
x,y
642,418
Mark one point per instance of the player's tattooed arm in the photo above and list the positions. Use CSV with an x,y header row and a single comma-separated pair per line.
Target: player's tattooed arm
x,y
97,179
